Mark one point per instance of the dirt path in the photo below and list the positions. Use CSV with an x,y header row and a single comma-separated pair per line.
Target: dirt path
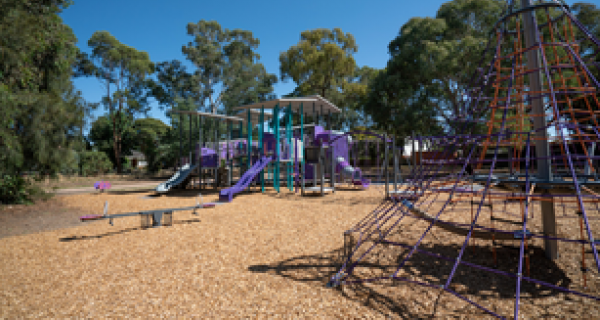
x,y
53,214
115,187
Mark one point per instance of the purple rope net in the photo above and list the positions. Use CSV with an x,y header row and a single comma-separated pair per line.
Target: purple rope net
x,y
483,185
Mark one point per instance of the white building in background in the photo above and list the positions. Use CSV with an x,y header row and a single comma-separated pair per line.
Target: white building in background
x,y
409,144
137,159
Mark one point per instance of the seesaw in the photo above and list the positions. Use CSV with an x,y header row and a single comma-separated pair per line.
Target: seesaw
x,y
149,218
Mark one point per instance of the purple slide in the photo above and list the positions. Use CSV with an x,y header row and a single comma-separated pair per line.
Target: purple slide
x,y
353,173
227,194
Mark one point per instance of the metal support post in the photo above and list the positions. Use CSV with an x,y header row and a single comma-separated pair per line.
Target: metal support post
x,y
277,146
302,164
542,148
385,168
261,142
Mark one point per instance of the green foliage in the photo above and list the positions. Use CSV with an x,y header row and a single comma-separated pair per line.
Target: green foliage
x,y
41,110
71,163
432,61
173,82
226,59
150,134
15,189
95,162
320,61
126,165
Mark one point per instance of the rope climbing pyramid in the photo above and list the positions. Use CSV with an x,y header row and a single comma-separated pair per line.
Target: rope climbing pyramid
x,y
513,198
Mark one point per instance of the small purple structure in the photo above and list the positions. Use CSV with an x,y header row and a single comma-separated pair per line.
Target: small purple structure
x,y
102,185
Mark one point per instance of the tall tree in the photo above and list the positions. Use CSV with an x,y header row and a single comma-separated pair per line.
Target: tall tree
x,y
101,135
225,60
126,68
431,63
39,104
320,62
173,85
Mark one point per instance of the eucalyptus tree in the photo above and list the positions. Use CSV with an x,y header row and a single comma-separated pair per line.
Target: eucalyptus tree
x,y
126,69
320,61
227,66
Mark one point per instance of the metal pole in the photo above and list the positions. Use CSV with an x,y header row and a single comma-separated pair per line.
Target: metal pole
x,y
249,141
385,168
332,175
322,166
288,133
414,156
229,158
241,149
302,172
542,148
180,139
261,141
201,121
190,147
395,154
216,170
315,166
277,146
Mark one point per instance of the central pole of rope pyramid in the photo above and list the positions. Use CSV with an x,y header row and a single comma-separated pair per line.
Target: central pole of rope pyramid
x,y
542,149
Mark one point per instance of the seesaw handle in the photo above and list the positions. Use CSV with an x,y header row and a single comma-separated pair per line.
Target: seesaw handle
x,y
91,217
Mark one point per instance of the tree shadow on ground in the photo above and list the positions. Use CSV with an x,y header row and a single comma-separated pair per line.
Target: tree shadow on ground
x,y
123,231
481,286
327,199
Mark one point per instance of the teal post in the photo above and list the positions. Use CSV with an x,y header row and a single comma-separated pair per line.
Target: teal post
x,y
288,132
260,145
277,155
240,148
249,141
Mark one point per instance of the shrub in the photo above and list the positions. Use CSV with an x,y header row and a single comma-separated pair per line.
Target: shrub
x,y
95,162
15,189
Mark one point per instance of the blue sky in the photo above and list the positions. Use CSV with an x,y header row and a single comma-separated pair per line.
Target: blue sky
x,y
159,28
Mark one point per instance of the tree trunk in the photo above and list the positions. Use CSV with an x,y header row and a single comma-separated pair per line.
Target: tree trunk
x,y
117,145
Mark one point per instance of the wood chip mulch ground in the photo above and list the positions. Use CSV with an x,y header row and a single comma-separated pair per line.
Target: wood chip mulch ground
x,y
263,255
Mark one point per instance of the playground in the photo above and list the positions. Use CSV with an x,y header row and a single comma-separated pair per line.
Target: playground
x,y
292,225
270,215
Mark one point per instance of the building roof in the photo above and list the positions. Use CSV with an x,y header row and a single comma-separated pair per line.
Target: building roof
x,y
136,155
321,105
208,115
254,116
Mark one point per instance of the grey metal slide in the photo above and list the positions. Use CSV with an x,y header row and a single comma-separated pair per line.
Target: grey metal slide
x,y
176,179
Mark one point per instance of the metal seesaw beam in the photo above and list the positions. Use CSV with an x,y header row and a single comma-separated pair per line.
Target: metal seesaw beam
x,y
155,214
